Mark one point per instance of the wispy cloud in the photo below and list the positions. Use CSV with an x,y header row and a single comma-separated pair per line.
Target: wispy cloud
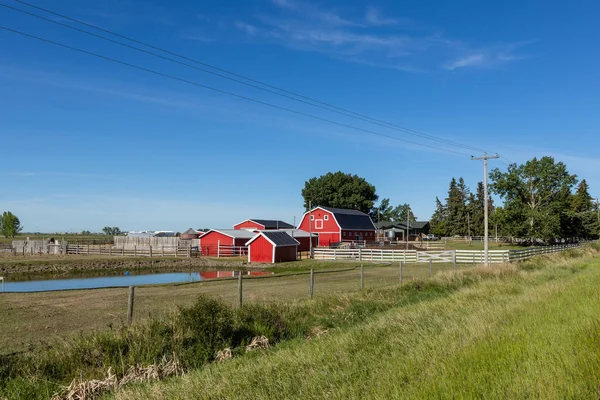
x,y
249,29
371,37
373,17
312,11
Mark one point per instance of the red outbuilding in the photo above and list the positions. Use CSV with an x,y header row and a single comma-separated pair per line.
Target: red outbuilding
x,y
263,224
224,241
334,225
272,247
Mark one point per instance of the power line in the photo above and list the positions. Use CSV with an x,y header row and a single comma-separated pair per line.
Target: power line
x,y
141,68
298,97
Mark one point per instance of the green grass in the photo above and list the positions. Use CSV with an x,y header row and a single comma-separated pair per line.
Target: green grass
x,y
532,333
483,332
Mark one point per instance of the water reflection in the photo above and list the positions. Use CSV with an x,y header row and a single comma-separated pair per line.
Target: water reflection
x,y
122,281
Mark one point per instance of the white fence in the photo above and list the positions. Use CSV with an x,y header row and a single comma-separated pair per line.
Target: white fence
x,y
448,256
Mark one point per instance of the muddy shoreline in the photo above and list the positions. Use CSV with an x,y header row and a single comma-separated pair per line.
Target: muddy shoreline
x,y
29,268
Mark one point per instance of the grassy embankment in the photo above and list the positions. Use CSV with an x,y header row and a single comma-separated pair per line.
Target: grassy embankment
x,y
526,332
489,332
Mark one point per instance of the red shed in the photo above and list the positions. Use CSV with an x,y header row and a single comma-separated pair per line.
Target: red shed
x,y
272,247
334,225
212,240
263,224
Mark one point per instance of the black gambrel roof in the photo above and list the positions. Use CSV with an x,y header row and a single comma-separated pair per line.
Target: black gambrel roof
x,y
351,219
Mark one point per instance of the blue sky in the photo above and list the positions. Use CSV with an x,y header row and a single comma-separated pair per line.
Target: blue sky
x,y
88,143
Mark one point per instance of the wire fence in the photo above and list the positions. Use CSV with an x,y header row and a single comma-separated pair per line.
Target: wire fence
x,y
58,314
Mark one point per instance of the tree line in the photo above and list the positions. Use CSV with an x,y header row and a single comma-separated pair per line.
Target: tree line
x,y
541,201
343,190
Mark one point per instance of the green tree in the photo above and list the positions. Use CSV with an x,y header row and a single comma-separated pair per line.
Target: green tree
x,y
456,204
439,219
582,201
340,190
10,226
383,212
401,212
537,198
112,231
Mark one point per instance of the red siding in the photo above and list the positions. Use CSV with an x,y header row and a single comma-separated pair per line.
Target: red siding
x,y
261,250
209,242
328,230
249,225
305,243
287,253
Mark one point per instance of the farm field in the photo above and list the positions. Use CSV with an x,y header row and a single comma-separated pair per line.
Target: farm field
x,y
531,332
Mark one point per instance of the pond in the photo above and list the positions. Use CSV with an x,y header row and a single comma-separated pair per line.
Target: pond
x,y
127,279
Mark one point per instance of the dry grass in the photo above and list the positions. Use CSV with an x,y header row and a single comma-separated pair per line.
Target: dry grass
x,y
36,318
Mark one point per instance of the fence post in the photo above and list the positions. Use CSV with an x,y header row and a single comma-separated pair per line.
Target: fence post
x,y
163,250
334,258
240,290
110,251
359,254
362,276
189,252
454,260
135,250
123,250
312,283
401,262
430,266
150,251
130,305
2,279
218,249
88,249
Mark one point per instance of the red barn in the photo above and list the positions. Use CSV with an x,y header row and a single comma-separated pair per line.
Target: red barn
x,y
263,224
212,240
272,247
334,225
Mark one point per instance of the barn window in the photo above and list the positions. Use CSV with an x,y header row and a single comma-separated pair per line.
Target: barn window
x,y
312,217
326,217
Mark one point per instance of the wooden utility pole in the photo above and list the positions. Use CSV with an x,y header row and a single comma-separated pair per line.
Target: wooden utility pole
x,y
310,239
407,224
485,159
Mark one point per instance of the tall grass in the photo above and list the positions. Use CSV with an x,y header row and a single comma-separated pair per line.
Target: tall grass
x,y
514,334
194,335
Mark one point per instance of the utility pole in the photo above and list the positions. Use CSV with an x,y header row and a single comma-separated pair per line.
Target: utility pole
x,y
598,208
485,159
310,239
407,224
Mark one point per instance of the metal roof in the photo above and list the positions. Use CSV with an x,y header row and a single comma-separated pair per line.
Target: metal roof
x,y
351,219
297,233
234,233
273,223
401,225
280,239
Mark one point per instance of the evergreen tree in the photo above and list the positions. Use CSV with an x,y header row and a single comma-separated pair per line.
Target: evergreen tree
x,y
439,219
456,203
582,201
